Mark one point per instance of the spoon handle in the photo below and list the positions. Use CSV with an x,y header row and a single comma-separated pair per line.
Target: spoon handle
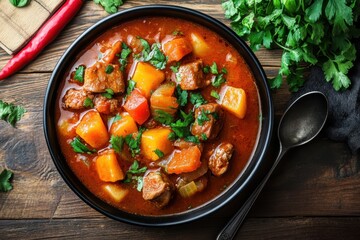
x,y
229,231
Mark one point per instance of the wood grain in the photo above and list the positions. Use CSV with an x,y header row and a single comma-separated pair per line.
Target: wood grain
x,y
314,193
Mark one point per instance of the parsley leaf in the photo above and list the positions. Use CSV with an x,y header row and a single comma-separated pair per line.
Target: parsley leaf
x,y
213,68
10,112
109,93
79,74
79,147
159,153
215,94
134,169
20,3
134,143
318,33
202,117
152,54
88,102
109,69
175,67
117,143
5,177
110,6
197,99
181,126
218,80
182,96
130,87
192,139
125,52
163,117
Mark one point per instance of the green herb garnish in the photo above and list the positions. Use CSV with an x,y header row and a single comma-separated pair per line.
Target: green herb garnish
x,y
88,103
10,112
163,117
317,33
19,3
159,153
202,117
110,6
215,94
125,52
213,68
218,80
79,74
197,99
109,69
181,126
134,143
117,143
175,67
181,95
130,87
109,93
5,177
79,147
135,170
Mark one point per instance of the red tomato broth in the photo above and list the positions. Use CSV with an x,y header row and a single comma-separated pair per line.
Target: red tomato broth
x,y
242,133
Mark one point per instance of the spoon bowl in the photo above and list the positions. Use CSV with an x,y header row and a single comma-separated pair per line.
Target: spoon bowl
x,y
302,121
296,127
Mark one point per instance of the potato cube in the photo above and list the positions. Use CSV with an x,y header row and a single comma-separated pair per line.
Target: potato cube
x,y
153,140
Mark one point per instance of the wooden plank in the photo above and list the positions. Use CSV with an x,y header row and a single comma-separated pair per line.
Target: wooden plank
x,y
253,228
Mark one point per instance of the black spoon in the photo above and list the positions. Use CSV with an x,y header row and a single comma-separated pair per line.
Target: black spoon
x,y
301,122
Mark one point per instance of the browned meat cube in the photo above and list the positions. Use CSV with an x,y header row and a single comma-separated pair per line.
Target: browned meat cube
x,y
97,80
208,121
219,159
105,105
190,76
74,99
157,188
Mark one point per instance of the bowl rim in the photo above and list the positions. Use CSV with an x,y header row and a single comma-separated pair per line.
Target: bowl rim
x,y
163,220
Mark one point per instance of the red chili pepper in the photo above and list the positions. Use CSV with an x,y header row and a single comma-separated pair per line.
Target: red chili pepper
x,y
46,34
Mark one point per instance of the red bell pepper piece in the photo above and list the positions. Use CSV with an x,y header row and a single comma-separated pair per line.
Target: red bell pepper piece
x,y
46,34
137,106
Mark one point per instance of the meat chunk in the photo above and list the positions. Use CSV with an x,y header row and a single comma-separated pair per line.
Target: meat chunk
x,y
97,80
74,98
105,105
209,119
219,159
182,144
190,76
157,188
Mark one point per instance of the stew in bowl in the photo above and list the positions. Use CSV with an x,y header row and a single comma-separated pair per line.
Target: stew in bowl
x,y
157,115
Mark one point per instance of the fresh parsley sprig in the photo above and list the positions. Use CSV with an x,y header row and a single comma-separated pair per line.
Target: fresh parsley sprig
x,y
10,112
313,32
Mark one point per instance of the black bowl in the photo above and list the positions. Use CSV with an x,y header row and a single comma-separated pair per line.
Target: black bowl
x,y
249,177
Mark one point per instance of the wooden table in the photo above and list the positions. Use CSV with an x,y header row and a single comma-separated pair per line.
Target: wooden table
x,y
314,193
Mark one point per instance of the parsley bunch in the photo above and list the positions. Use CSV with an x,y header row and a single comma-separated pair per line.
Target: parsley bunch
x,y
311,32
110,6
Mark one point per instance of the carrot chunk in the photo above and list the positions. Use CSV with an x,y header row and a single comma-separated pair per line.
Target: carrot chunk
x,y
155,141
177,48
137,106
108,167
93,130
234,100
185,160
125,126
147,78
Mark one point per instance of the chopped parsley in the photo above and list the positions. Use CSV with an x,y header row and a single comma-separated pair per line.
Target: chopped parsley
x,y
79,74
172,136
110,6
109,69
117,143
116,118
215,94
132,175
163,117
197,99
80,147
134,143
181,126
202,117
109,93
125,52
192,139
159,153
10,112
218,80
206,69
130,87
175,67
152,54
5,177
88,103
182,96
204,137
213,68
